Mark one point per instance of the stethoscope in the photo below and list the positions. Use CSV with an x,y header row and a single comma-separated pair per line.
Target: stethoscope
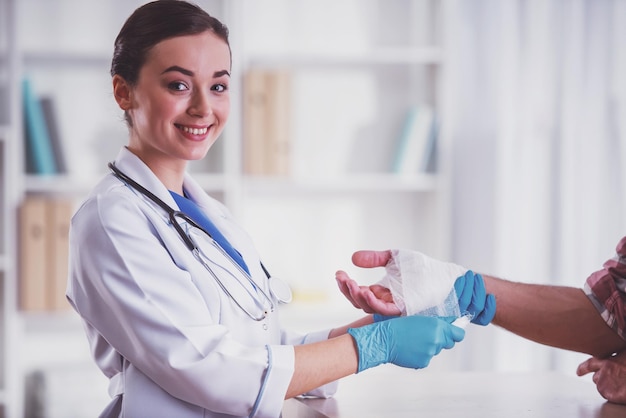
x,y
277,287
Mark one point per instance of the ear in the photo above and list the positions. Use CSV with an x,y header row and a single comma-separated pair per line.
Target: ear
x,y
122,92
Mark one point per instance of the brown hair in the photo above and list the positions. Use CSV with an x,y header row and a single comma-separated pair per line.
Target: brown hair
x,y
153,23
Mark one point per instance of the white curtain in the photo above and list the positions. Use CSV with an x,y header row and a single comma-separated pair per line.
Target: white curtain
x,y
537,128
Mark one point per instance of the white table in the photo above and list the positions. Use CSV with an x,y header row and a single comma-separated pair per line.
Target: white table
x,y
389,391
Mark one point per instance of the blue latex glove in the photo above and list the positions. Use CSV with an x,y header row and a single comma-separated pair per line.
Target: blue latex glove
x,y
408,341
473,298
378,317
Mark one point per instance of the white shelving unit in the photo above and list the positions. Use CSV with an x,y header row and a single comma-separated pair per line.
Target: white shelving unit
x,y
371,58
377,57
10,184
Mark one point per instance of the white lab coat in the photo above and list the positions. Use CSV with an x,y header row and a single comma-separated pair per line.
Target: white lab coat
x,y
170,340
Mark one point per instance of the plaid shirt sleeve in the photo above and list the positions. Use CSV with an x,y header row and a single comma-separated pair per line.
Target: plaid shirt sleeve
x,y
606,289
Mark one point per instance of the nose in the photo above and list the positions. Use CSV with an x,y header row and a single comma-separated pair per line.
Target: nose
x,y
200,104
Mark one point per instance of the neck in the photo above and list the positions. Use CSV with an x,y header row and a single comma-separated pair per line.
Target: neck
x,y
171,172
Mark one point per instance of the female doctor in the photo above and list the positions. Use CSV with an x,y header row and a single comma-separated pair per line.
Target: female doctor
x,y
178,309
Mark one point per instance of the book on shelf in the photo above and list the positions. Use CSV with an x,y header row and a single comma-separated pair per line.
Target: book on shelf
x,y
50,116
266,115
59,214
33,262
43,253
416,145
39,152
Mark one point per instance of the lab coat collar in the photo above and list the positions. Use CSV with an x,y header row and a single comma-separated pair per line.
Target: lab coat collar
x,y
137,170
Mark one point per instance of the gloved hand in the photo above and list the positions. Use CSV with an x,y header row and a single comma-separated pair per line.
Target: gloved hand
x,y
473,298
378,317
408,341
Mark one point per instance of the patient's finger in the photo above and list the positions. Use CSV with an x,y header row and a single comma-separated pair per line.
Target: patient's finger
x,y
590,365
370,258
342,281
352,291
380,306
361,295
382,292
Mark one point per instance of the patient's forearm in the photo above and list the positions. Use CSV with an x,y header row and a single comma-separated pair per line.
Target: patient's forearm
x,y
558,316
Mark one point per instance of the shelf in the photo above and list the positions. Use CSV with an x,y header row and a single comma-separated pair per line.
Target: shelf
x,y
219,182
62,184
387,56
67,184
65,59
349,183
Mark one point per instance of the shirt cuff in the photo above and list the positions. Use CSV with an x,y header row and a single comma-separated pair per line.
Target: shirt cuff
x,y
281,361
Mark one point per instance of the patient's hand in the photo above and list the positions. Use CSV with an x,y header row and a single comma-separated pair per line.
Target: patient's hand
x,y
374,298
609,375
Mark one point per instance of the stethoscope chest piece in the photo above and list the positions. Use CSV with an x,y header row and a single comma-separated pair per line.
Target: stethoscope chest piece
x,y
280,289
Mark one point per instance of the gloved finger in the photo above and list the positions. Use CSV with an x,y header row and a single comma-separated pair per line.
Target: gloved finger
x,y
479,294
451,334
464,286
459,285
590,365
370,258
487,314
454,335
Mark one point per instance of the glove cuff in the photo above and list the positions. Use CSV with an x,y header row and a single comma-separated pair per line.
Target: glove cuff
x,y
379,318
372,348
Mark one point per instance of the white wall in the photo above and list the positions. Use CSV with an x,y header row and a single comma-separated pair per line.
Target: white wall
x,y
538,139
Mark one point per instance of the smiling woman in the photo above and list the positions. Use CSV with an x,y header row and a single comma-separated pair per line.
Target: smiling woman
x,y
179,310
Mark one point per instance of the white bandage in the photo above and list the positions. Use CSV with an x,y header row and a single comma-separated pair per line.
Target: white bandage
x,y
422,285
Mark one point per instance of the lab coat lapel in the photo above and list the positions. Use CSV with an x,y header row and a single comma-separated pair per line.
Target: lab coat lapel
x,y
137,170
223,220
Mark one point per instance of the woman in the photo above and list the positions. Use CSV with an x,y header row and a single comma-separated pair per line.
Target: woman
x,y
185,326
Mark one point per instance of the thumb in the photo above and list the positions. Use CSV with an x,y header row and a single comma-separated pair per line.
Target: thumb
x,y
590,365
370,258
456,334
453,333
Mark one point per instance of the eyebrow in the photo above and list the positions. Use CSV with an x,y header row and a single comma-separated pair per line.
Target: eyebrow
x,y
190,73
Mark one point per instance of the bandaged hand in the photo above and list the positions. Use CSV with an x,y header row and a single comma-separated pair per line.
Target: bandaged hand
x,y
469,288
410,341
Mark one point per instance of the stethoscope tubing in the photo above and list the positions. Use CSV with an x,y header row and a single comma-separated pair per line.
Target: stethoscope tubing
x,y
195,250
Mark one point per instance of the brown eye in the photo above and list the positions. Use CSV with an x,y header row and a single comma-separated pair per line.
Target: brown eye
x,y
220,88
177,86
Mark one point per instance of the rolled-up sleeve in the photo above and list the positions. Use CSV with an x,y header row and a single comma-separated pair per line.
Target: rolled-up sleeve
x,y
606,289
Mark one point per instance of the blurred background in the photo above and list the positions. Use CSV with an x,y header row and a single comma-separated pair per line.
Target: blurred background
x,y
489,133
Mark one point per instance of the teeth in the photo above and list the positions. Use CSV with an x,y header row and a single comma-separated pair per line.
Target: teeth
x,y
194,131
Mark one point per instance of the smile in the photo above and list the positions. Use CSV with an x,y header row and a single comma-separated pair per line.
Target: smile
x,y
193,131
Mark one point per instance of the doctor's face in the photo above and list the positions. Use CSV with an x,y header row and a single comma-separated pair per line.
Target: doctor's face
x,y
181,101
